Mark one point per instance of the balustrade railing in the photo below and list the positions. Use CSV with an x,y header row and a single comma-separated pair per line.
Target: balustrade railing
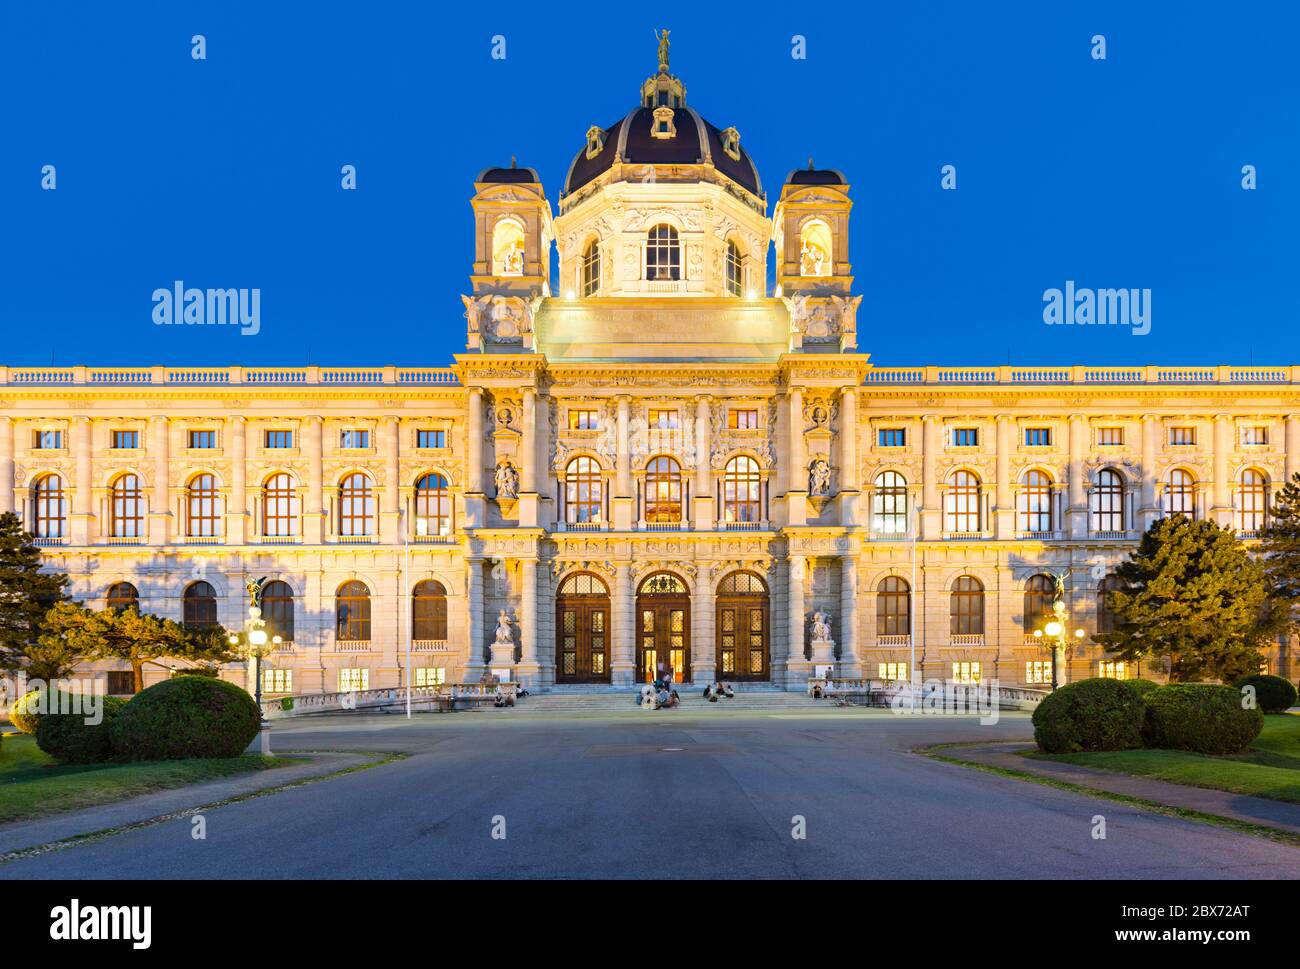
x,y
226,376
1082,375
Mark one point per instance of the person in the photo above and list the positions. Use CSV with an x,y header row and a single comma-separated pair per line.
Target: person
x,y
817,691
727,691
646,696
663,697
708,691
498,698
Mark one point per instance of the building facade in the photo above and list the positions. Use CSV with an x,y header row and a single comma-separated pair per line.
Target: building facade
x,y
653,464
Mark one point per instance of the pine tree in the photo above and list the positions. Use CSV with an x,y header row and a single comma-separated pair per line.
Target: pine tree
x,y
27,592
1280,548
1191,593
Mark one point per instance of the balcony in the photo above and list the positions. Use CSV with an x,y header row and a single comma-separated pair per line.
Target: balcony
x,y
352,646
580,526
966,639
433,539
894,641
981,536
742,526
1048,536
354,539
50,542
430,646
1122,535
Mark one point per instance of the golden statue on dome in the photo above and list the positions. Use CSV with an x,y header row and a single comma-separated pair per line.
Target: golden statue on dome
x,y
663,49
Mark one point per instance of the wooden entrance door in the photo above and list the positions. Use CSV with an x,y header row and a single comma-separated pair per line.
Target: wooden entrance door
x,y
663,625
742,625
582,651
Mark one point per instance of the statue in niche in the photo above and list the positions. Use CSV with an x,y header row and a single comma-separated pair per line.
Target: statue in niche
x,y
819,478
821,627
812,259
512,263
505,629
507,480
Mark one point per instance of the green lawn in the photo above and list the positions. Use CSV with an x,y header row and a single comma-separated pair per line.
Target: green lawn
x,y
32,784
1271,768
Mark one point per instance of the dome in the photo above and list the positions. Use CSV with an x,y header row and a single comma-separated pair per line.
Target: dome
x,y
511,175
815,176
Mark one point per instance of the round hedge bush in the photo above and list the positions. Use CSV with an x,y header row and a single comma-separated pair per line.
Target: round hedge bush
x,y
69,739
1141,687
23,714
1273,694
188,716
1200,717
1094,714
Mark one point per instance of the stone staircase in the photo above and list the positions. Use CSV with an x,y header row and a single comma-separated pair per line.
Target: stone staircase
x,y
604,699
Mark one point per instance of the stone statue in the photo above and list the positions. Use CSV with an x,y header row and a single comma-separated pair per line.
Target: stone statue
x,y
812,260
663,48
505,629
819,477
513,262
821,628
507,480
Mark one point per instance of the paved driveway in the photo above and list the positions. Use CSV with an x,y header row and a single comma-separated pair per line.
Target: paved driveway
x,y
642,794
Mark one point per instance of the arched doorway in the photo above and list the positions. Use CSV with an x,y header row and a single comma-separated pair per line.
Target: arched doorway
x,y
744,640
582,630
663,628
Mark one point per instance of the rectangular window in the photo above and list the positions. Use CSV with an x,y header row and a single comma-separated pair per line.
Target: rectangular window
x,y
1038,436
1038,671
1110,436
742,419
1109,669
120,683
279,439
1254,435
47,440
663,420
203,439
966,672
126,439
353,679
430,675
893,671
965,437
354,438
891,437
584,420
1182,436
431,439
277,681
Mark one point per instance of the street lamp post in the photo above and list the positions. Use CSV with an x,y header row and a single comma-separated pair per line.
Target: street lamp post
x,y
1054,631
256,645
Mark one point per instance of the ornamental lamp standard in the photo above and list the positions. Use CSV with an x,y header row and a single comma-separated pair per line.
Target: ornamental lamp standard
x,y
1055,631
256,644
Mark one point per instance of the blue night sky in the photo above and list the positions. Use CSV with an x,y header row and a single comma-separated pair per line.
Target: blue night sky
x,y
225,172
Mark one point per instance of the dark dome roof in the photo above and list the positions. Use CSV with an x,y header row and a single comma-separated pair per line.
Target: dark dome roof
x,y
695,142
815,176
508,175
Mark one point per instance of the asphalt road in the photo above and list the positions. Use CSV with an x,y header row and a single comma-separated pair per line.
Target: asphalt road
x,y
663,795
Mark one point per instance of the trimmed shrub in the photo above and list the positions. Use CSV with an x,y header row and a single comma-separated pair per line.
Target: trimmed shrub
x,y
23,714
69,739
1200,717
1273,694
1141,687
188,716
1094,714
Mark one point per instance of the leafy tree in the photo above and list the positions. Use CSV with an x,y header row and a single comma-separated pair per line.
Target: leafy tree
x,y
26,594
137,638
1280,547
55,654
1193,594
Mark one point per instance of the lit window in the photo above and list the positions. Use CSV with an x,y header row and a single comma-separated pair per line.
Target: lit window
x,y
893,671
663,259
1038,671
591,269
203,439
965,672
740,490
353,680
126,439
278,439
126,507
202,507
891,437
1180,495
735,271
432,506
1110,669
51,506
431,439
1038,436
279,507
663,491
47,440
889,504
277,681
583,420
354,439
1182,436
583,491
430,675
1252,501
742,419
962,503
1035,502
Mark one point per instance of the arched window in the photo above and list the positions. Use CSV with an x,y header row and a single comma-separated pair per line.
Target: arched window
x,y
1252,500
735,270
202,513
1107,501
352,613
815,249
508,248
277,610
356,505
889,504
51,506
126,507
279,506
583,497
432,506
1035,502
966,607
741,483
663,254
199,608
1180,495
429,611
893,607
1106,618
122,595
1040,590
663,491
961,503
591,268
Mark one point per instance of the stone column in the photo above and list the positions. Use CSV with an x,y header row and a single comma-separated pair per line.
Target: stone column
x,y
623,646
474,442
1291,441
623,485
797,666
849,439
1222,510
850,657
528,446
7,467
474,665
1147,509
530,667
704,662
931,514
83,514
703,502
159,512
237,510
1004,512
1077,526
313,519
390,500
797,468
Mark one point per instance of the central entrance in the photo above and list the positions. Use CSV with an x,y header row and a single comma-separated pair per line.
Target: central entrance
x,y
744,647
663,628
582,630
